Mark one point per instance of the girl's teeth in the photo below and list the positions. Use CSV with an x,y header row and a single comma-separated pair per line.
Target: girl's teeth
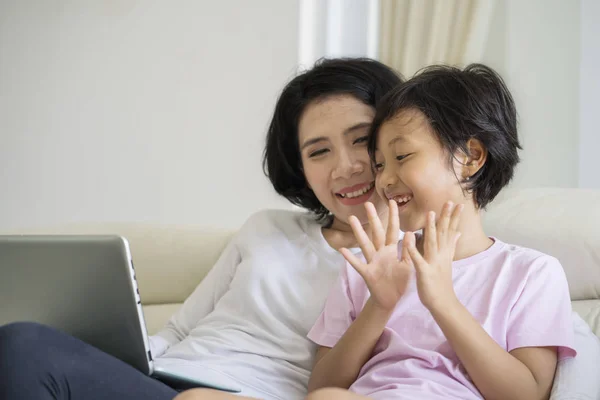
x,y
403,199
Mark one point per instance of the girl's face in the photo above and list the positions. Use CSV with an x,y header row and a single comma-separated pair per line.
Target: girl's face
x,y
332,137
412,168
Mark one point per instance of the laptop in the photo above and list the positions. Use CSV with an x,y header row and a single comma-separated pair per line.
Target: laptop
x,y
85,286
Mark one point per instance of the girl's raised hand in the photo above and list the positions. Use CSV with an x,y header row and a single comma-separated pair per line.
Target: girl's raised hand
x,y
385,274
434,267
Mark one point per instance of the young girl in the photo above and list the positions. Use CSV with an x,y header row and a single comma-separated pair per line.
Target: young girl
x,y
452,313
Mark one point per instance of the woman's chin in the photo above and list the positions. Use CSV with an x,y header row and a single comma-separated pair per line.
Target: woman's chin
x,y
344,211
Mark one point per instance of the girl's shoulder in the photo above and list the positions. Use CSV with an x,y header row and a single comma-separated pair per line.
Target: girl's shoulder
x,y
526,261
527,255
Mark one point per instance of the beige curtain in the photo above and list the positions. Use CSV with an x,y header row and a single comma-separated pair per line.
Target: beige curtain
x,y
417,33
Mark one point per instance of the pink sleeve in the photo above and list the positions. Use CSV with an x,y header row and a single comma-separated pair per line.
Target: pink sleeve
x,y
337,315
541,315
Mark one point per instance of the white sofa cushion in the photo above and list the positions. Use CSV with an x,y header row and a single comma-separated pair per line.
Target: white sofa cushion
x,y
170,260
157,315
577,378
564,223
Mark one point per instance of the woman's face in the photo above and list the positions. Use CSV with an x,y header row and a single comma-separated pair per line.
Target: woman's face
x,y
332,136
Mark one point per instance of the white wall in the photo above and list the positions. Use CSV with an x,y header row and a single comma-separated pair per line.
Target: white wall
x,y
533,44
139,110
589,95
543,72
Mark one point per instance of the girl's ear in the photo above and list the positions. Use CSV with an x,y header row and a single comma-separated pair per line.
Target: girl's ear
x,y
475,159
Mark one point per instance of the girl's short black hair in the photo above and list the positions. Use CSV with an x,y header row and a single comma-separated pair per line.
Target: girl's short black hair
x,y
365,79
472,103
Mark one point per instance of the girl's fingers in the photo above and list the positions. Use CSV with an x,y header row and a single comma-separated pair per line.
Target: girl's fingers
x,y
376,226
393,224
363,239
455,218
404,255
356,262
417,260
444,223
453,243
455,239
430,245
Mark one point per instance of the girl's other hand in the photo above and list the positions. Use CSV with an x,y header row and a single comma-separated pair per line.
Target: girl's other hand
x,y
434,267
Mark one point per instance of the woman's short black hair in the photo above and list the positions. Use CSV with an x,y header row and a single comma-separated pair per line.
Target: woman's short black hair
x,y
365,79
460,105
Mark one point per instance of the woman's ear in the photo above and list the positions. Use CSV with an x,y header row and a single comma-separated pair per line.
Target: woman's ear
x,y
475,159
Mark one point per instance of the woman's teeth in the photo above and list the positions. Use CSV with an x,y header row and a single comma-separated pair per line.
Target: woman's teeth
x,y
358,192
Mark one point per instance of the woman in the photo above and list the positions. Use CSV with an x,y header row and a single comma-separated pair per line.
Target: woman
x,y
361,305
248,319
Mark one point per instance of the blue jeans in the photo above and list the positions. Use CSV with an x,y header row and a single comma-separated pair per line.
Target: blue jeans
x,y
40,363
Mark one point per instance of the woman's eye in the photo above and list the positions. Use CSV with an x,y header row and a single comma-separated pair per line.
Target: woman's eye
x,y
362,139
317,153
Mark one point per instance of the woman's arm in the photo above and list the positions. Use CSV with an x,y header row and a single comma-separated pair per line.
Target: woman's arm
x,y
525,373
200,303
339,366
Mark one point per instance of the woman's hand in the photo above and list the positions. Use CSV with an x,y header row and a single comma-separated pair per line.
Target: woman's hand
x,y
434,267
386,276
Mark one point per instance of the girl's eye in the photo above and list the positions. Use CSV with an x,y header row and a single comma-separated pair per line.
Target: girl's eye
x,y
378,166
317,153
362,139
400,158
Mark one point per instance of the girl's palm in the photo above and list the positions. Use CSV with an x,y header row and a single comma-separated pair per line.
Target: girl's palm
x,y
385,275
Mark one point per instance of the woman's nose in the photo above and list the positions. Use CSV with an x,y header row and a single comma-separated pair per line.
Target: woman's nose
x,y
347,165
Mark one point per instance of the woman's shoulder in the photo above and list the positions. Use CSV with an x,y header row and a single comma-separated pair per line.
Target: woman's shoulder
x,y
287,222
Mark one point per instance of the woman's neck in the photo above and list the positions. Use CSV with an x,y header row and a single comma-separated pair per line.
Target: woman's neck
x,y
339,238
340,234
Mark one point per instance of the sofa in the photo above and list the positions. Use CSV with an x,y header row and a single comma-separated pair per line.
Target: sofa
x,y
564,223
170,261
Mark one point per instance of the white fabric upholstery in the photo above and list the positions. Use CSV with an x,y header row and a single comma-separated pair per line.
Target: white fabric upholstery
x,y
170,261
579,378
564,223
157,314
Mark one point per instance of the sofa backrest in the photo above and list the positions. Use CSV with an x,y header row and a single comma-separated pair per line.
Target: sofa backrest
x,y
564,223
171,260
